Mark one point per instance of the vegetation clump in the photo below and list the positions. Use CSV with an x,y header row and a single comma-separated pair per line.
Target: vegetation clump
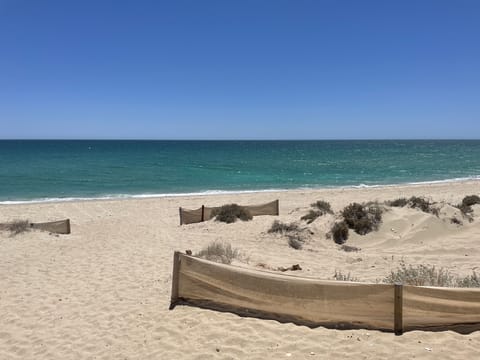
x,y
339,276
282,228
427,275
339,232
456,221
465,206
400,202
311,216
362,218
231,212
323,206
18,226
422,204
320,208
219,252
471,200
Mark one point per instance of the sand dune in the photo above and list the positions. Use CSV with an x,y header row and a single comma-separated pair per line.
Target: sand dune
x,y
103,291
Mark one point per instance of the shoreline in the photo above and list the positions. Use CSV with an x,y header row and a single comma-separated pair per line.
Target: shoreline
x,y
209,193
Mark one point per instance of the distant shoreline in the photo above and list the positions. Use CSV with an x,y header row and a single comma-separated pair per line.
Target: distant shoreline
x,y
239,192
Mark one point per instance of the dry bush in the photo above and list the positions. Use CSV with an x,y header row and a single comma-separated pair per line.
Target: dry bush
x,y
219,252
401,202
323,206
422,204
465,206
470,200
456,221
18,226
472,281
363,218
311,216
339,232
428,275
282,228
231,212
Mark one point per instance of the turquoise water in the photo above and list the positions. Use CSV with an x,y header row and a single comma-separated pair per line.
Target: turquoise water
x,y
43,170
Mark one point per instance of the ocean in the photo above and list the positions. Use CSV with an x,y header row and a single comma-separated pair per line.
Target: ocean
x,y
51,170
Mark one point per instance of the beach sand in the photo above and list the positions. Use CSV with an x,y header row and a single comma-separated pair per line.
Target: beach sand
x,y
103,291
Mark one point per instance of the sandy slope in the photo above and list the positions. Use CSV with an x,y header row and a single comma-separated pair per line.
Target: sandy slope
x,y
103,291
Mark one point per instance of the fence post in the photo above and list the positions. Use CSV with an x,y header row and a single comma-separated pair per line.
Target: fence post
x,y
175,274
180,213
203,213
398,309
68,226
278,207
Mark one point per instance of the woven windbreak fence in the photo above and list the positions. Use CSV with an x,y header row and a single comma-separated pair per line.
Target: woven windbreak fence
x,y
311,302
206,213
58,227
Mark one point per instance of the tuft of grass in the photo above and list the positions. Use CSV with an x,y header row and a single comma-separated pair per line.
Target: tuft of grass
x,y
428,275
311,216
231,212
279,227
339,232
18,226
363,218
219,252
323,206
339,276
401,202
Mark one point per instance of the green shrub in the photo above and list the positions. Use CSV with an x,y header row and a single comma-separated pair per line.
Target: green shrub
x,y
471,200
230,213
401,202
339,232
280,227
362,218
422,204
219,252
311,216
323,206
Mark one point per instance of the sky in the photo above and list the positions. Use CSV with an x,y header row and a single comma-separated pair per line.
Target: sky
x,y
239,69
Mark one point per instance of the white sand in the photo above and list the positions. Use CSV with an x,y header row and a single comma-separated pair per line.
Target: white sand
x,y
103,291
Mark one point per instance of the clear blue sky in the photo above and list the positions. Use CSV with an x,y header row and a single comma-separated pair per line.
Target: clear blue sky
x,y
240,69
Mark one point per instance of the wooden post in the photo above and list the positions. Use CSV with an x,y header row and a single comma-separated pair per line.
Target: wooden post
x,y
398,309
180,213
278,207
203,213
68,226
175,273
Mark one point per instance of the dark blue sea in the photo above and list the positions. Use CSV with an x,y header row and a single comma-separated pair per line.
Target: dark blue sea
x,y
46,170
